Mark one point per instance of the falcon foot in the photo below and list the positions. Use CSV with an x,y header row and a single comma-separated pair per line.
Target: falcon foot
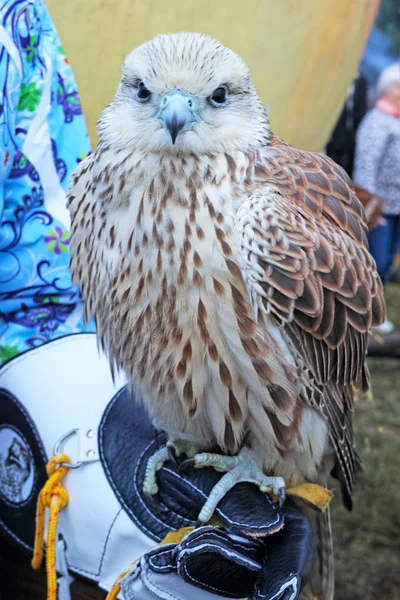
x,y
245,467
156,462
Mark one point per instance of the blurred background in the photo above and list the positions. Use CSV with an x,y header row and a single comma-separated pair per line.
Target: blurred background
x,y
304,58
315,64
302,55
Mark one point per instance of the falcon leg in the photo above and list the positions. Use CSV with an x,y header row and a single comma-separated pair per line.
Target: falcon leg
x,y
160,457
245,467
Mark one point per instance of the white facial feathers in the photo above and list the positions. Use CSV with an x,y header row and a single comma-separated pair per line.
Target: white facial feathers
x,y
196,66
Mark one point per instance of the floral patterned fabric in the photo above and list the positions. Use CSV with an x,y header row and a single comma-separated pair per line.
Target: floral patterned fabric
x,y
43,137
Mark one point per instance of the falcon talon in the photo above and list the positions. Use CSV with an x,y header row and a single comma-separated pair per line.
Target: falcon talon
x,y
242,468
185,464
173,449
282,498
172,454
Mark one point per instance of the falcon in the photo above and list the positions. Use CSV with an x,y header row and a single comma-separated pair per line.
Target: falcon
x,y
228,273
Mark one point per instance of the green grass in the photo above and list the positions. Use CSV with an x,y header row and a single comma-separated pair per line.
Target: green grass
x,y
367,540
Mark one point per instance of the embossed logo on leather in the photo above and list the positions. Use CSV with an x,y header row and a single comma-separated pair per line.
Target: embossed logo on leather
x,y
16,466
22,470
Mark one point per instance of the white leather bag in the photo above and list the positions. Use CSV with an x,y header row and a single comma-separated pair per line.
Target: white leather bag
x,y
58,393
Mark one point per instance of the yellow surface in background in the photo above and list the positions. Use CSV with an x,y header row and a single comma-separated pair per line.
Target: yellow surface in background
x,y
302,53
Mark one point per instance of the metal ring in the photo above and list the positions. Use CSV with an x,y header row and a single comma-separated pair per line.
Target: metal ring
x,y
57,449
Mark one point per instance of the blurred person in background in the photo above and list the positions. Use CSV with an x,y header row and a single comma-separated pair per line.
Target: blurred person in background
x,y
342,143
377,171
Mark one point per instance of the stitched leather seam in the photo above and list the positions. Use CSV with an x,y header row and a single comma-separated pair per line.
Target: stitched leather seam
x,y
162,567
110,479
177,515
42,453
83,571
221,513
211,541
14,536
153,535
97,574
132,576
22,358
279,592
204,585
210,534
28,418
150,581
223,551
106,540
91,573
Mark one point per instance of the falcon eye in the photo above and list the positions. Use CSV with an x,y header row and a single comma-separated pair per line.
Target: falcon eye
x,y
143,93
219,96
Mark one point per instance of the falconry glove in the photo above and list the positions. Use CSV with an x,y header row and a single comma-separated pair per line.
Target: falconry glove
x,y
251,549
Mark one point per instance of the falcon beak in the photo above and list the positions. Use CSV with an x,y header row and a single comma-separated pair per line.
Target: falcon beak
x,y
177,112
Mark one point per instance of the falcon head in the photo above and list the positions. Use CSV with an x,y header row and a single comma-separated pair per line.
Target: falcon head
x,y
184,93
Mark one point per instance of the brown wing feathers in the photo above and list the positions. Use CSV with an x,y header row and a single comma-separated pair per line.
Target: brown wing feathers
x,y
319,280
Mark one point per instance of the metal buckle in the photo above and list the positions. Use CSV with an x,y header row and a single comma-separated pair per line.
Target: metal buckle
x,y
58,448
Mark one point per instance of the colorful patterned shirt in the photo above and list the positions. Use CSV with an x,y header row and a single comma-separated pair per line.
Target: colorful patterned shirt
x,y
43,137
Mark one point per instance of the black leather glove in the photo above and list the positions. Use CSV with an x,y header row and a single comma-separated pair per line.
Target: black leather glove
x,y
212,559
227,565
260,551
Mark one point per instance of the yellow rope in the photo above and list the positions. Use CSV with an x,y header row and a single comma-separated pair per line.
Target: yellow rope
x,y
55,497
116,588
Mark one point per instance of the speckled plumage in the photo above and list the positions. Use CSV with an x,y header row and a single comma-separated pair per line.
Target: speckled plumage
x,y
229,273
